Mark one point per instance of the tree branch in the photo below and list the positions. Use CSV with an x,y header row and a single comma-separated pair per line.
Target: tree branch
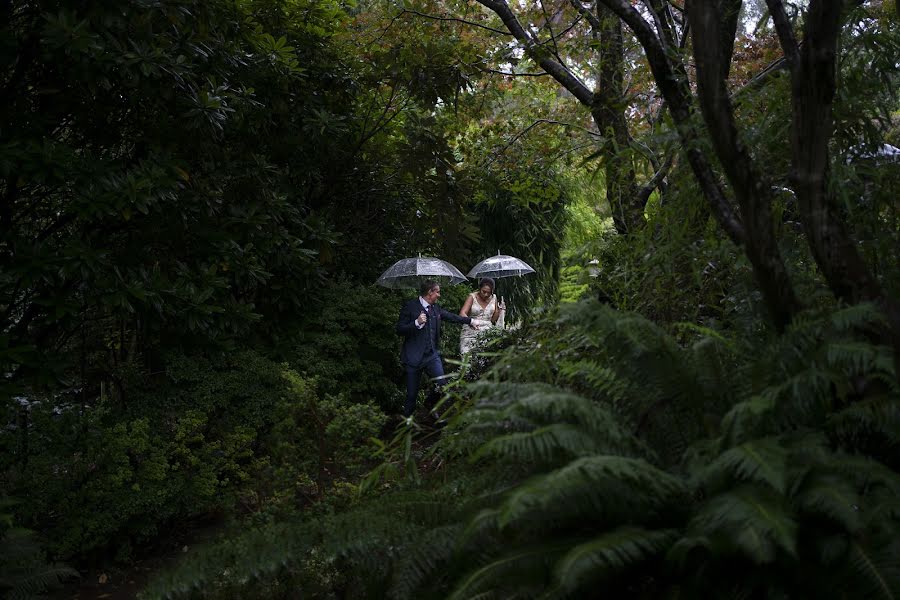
x,y
519,135
676,92
785,31
549,25
368,113
663,32
653,183
552,39
457,19
571,150
813,88
713,38
586,13
498,72
382,122
556,70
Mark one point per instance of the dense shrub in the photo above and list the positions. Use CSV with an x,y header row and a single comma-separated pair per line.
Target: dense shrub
x,y
347,343
207,435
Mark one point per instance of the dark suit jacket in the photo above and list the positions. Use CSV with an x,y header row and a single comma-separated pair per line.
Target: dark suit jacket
x,y
415,341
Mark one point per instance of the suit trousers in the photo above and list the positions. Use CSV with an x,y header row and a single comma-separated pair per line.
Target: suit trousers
x,y
431,364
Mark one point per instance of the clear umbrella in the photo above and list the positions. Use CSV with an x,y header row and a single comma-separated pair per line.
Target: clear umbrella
x,y
499,266
410,272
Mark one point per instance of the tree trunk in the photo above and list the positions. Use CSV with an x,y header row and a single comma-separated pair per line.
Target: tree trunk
x,y
673,85
606,104
713,37
813,84
608,111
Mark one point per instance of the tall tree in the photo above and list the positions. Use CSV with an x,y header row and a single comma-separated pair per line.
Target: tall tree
x,y
813,71
813,68
593,73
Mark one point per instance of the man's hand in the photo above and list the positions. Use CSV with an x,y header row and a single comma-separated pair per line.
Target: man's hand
x,y
474,326
422,318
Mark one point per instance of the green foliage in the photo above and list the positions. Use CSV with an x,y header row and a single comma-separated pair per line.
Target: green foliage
x,y
523,214
181,176
139,197
24,571
681,267
764,494
584,227
346,341
236,431
678,268
183,181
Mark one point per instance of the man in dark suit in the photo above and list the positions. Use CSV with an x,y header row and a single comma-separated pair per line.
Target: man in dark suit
x,y
420,325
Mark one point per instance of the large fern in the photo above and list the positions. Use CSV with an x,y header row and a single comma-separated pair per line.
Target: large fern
x,y
609,453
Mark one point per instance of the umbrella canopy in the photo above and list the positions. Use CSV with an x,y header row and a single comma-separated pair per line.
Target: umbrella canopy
x,y
499,266
410,272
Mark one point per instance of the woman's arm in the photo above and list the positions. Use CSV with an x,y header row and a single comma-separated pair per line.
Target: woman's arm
x,y
466,307
496,314
499,307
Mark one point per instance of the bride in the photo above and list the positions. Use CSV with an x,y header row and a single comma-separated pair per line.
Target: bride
x,y
484,309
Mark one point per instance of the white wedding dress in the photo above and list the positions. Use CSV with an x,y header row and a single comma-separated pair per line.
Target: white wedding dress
x,y
481,317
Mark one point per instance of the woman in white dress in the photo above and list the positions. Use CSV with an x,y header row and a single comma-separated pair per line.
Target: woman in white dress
x,y
484,309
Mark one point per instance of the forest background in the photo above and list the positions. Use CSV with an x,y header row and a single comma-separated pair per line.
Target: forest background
x,y
699,398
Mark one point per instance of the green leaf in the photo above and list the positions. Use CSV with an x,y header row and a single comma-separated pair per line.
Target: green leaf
x,y
760,461
577,490
751,521
610,554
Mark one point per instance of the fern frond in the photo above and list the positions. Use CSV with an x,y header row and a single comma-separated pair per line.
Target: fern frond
x,y
680,552
499,395
24,572
831,497
705,332
561,407
525,404
483,525
863,419
609,554
711,361
541,445
750,521
856,316
32,582
599,378
868,473
583,488
877,577
420,562
806,391
529,567
852,357
761,461
749,419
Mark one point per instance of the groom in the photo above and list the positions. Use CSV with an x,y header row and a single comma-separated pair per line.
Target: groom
x,y
420,326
